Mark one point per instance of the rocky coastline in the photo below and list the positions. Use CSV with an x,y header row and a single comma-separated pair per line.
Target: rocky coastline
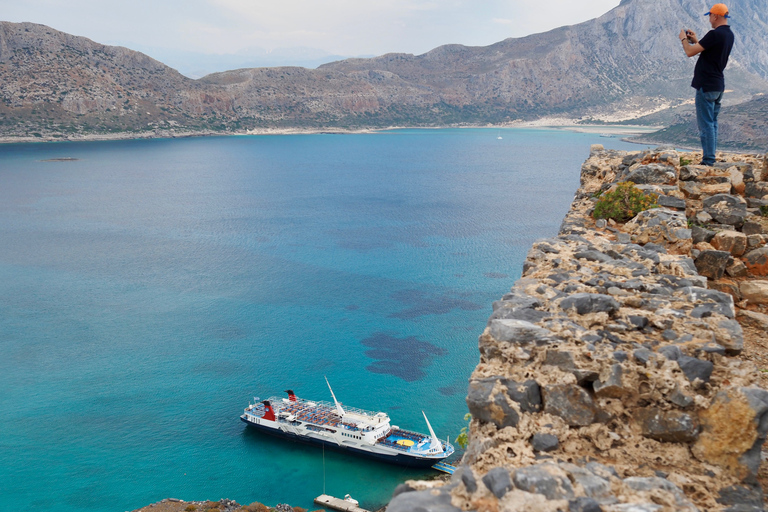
x,y
624,371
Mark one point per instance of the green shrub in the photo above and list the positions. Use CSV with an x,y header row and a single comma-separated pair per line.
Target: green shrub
x,y
624,202
190,508
764,211
462,440
685,161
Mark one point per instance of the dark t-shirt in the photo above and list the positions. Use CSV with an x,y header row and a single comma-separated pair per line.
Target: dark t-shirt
x,y
708,74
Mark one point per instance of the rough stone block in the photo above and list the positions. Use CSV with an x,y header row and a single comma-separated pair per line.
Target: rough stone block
x,y
648,484
520,332
741,495
730,241
739,415
498,482
756,292
737,269
671,202
667,426
542,442
584,505
730,335
712,263
653,174
570,402
610,385
753,318
757,261
584,303
422,501
544,479
695,368
487,404
752,228
527,394
757,189
755,241
726,209
711,189
464,475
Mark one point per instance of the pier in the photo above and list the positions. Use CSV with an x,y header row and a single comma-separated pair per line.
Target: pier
x,y
327,501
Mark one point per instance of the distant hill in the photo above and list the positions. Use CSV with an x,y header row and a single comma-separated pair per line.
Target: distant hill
x,y
740,127
621,65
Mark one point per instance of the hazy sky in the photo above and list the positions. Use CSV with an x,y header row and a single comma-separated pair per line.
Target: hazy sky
x,y
344,27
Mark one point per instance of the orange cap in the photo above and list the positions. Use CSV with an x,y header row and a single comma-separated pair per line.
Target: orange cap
x,y
719,9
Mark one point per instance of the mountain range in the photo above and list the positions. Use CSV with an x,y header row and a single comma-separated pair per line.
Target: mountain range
x,y
622,65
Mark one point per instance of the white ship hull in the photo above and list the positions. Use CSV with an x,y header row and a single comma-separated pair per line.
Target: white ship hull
x,y
361,432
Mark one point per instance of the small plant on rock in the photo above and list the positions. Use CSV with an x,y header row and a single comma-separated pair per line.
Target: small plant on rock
x,y
764,211
462,440
685,161
624,202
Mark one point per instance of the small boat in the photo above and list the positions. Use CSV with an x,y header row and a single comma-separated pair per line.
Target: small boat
x,y
350,499
346,428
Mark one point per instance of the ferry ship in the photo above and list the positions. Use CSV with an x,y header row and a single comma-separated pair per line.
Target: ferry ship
x,y
346,428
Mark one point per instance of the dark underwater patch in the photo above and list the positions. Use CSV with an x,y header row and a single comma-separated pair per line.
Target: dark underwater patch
x,y
423,304
448,390
402,357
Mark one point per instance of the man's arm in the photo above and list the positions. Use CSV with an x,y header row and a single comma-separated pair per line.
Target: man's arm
x,y
689,48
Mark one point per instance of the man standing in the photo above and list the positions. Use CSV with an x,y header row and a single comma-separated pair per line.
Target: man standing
x,y
708,80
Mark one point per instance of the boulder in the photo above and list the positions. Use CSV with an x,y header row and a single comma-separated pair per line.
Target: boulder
x,y
700,234
726,209
667,426
695,368
610,385
671,202
757,189
653,174
736,269
424,501
542,442
736,177
498,482
756,292
661,226
752,228
520,332
757,261
464,475
753,318
738,415
570,402
712,264
730,241
545,479
488,404
584,303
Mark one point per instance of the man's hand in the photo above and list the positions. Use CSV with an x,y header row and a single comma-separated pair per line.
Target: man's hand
x,y
691,44
688,34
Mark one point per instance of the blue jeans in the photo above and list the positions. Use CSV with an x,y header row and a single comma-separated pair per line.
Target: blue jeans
x,y
707,108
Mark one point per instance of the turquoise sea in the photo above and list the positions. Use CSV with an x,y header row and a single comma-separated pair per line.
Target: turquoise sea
x,y
150,289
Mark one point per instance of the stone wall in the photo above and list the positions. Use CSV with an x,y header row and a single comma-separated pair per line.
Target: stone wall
x,y
613,375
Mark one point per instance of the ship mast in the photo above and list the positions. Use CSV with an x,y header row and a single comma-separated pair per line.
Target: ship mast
x,y
435,442
339,410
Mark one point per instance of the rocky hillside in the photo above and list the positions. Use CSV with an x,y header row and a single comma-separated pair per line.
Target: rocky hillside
x,y
740,127
624,370
621,65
